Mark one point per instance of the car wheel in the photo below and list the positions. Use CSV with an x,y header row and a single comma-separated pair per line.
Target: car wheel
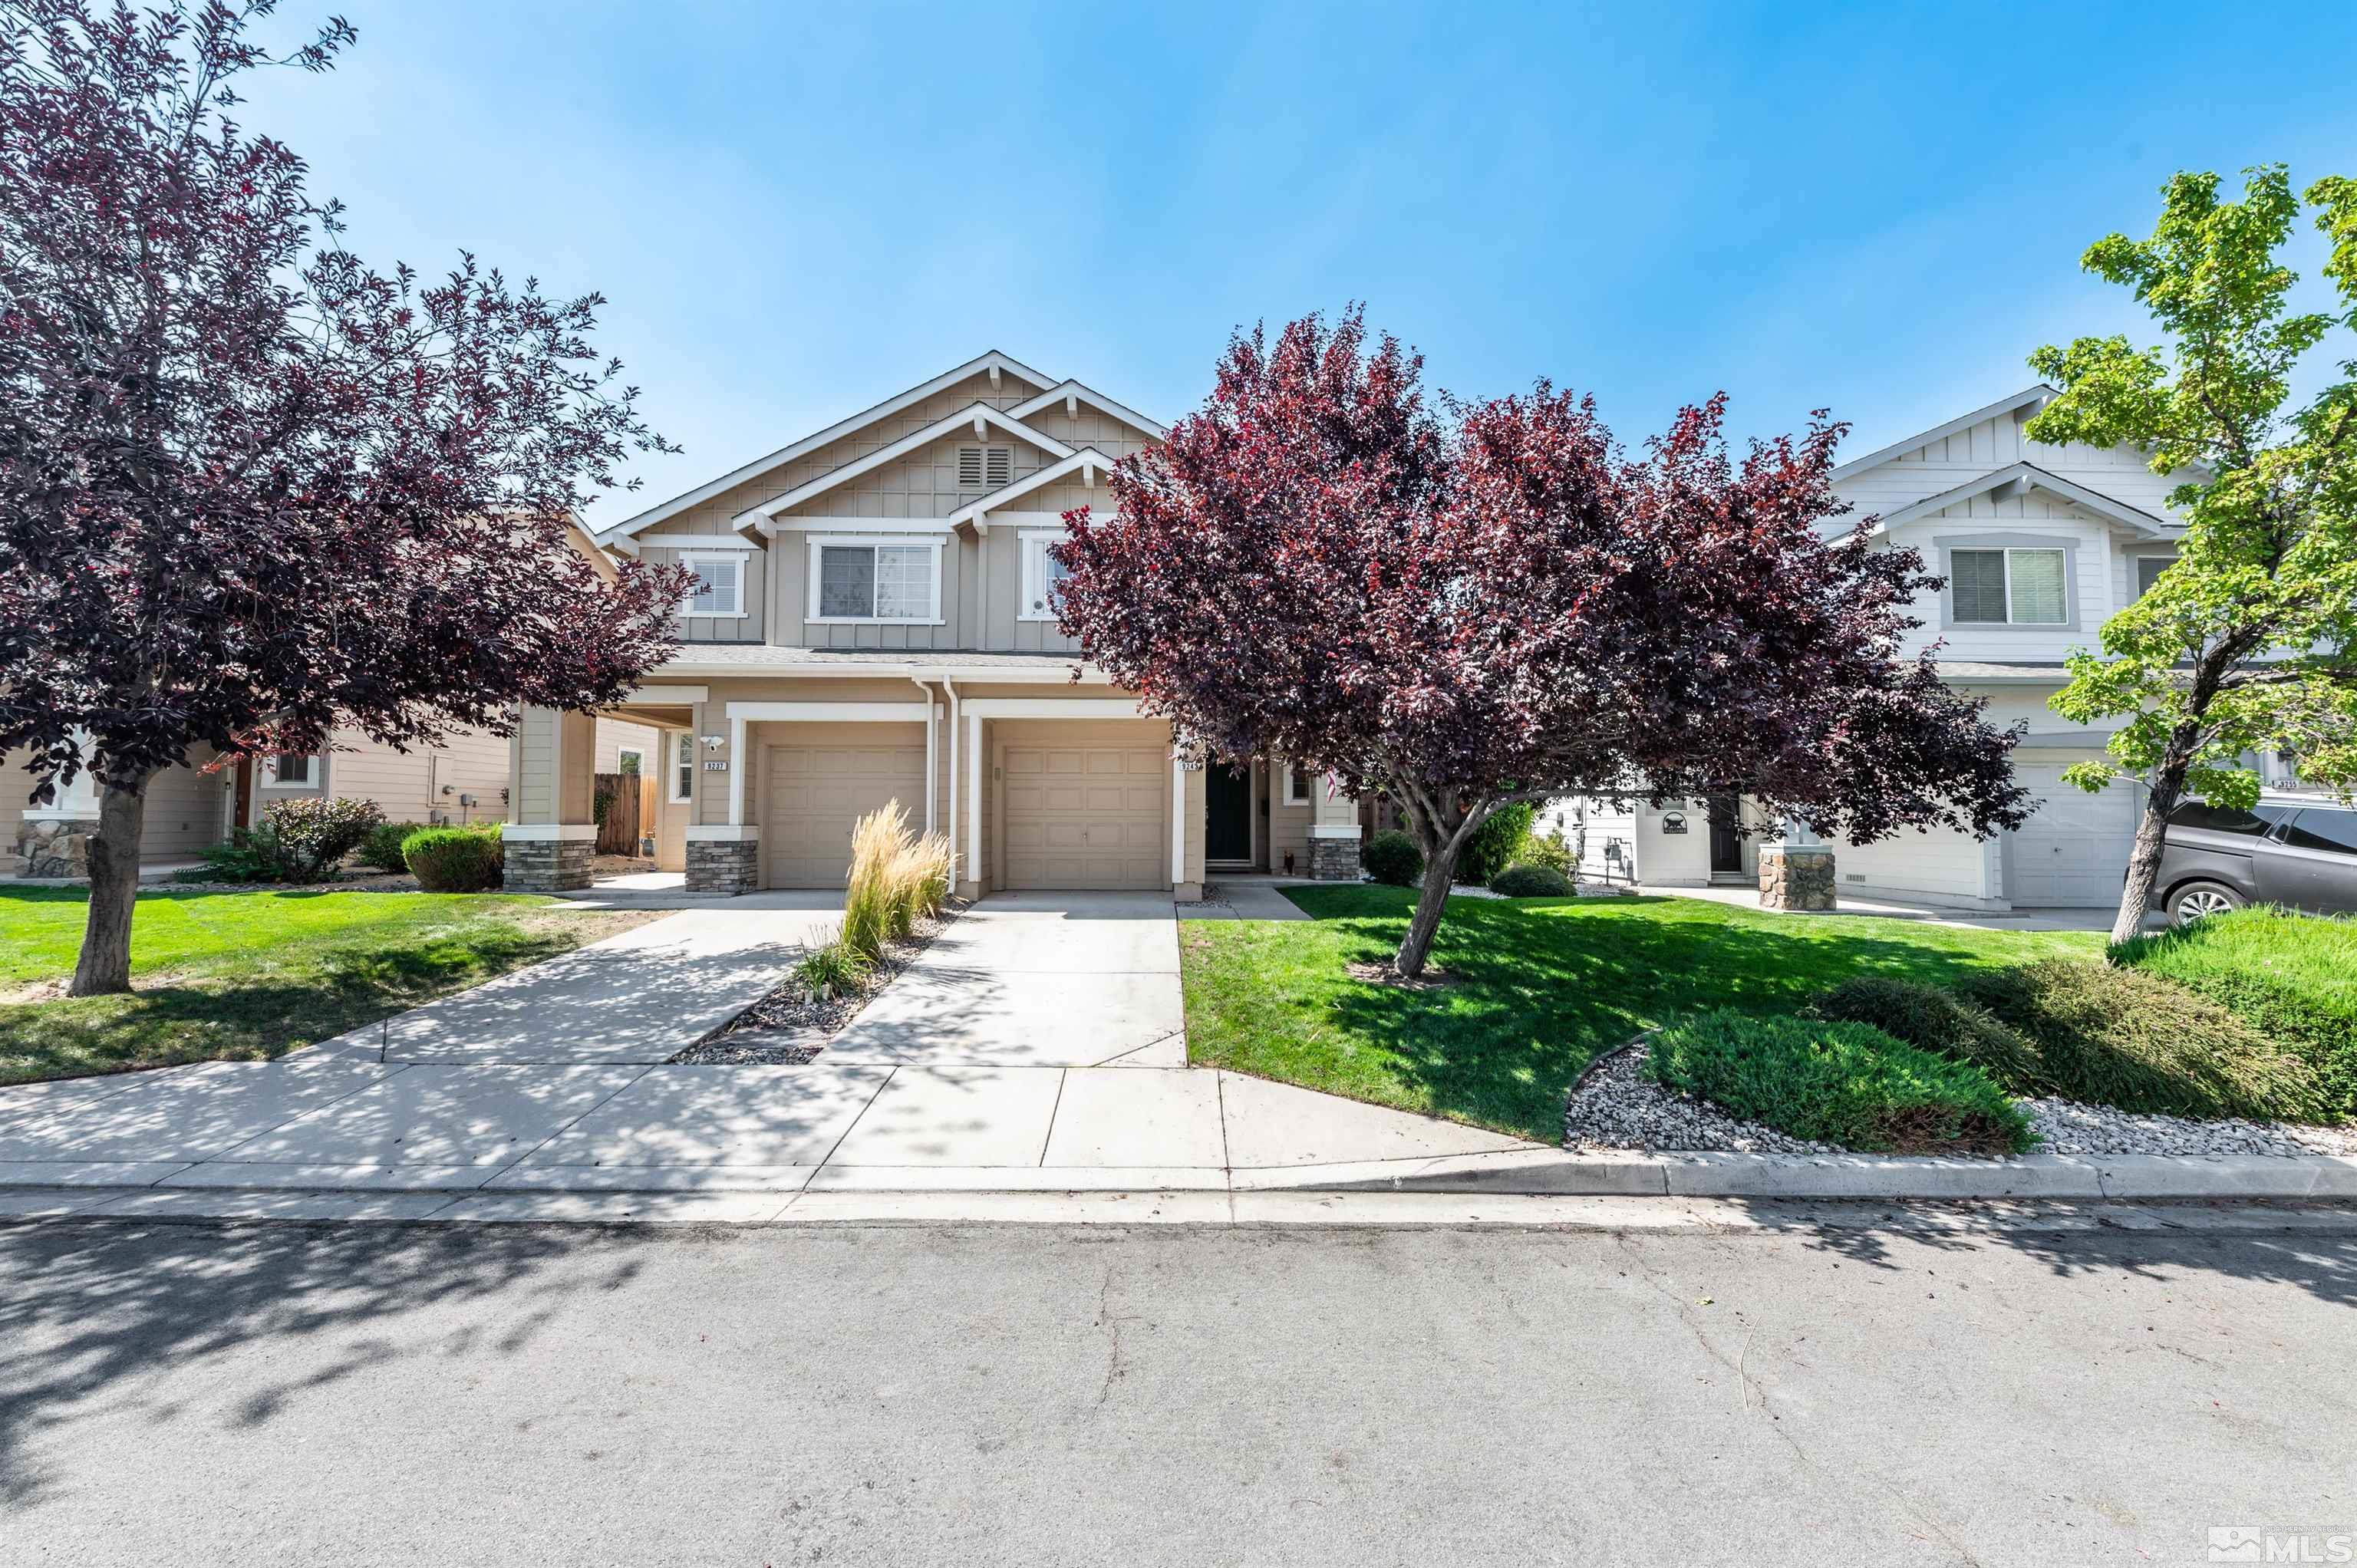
x,y
2196,899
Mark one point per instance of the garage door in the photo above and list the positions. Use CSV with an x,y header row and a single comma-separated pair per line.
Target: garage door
x,y
1087,816
2072,853
816,791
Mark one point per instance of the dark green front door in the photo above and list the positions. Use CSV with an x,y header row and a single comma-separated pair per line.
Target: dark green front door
x,y
1227,824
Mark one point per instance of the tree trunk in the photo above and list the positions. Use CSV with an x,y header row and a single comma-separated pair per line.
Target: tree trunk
x,y
2152,836
105,967
1431,901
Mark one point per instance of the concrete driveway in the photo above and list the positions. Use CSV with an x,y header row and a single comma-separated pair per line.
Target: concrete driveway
x,y
1037,1045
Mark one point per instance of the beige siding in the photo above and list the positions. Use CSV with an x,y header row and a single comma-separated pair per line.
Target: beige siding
x,y
615,736
186,808
670,549
423,783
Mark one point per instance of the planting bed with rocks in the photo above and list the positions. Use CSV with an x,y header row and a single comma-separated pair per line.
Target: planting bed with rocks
x,y
789,1026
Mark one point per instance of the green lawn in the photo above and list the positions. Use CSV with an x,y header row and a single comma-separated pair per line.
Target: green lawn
x,y
253,975
1546,986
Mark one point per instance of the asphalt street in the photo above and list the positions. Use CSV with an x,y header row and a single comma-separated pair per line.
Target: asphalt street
x,y
1855,1392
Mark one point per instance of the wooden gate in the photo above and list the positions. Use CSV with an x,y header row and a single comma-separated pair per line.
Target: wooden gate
x,y
628,803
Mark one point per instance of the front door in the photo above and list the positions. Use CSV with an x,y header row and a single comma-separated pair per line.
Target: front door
x,y
1227,806
1726,837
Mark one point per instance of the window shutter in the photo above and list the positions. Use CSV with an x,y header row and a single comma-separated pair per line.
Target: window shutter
x,y
1976,578
998,467
969,468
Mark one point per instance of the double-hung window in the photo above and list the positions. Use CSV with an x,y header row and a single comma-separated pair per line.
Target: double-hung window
x,y
2148,569
1042,574
2010,587
719,588
290,773
682,772
874,580
1298,784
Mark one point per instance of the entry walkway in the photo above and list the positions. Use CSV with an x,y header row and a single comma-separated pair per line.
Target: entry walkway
x,y
1038,1046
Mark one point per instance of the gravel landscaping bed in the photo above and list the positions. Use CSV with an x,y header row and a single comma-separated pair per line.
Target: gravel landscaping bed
x,y
1616,1106
787,1028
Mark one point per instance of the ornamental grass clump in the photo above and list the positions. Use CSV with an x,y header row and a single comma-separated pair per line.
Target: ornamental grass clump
x,y
832,967
869,906
1838,1083
918,880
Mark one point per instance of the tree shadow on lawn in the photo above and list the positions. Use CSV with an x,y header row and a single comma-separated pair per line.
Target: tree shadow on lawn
x,y
1544,987
256,1016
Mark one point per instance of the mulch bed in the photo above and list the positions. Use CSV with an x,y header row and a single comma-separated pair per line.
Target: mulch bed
x,y
787,1028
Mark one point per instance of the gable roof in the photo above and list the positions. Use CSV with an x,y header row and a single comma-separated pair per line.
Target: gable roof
x,y
974,414
974,512
2030,477
1077,392
2038,394
993,360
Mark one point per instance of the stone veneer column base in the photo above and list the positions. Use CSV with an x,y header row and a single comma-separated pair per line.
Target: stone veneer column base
x,y
545,865
1334,859
724,866
1796,878
51,847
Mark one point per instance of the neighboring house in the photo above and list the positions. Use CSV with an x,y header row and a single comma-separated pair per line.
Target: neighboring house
x,y
872,623
2040,545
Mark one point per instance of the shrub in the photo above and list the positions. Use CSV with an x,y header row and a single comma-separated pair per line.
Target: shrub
x,y
456,859
1550,849
2292,977
1496,843
382,848
1838,1083
1522,880
1393,858
1939,1022
833,964
2120,1037
250,856
314,835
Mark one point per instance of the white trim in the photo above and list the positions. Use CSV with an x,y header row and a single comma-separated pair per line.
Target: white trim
x,y
725,833
933,753
690,558
1922,438
549,832
973,795
1054,670
830,712
949,684
775,526
1065,390
667,695
720,543
60,814
972,415
1334,829
1035,569
2030,476
819,542
993,360
1177,819
637,751
671,766
1052,707
1072,462
1286,794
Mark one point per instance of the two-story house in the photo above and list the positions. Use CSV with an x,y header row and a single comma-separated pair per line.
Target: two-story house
x,y
871,623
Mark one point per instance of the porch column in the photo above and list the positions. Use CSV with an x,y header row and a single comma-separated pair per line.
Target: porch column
x,y
1796,871
723,850
1333,833
973,777
548,842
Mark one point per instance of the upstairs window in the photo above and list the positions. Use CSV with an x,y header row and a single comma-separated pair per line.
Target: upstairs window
x,y
2148,569
719,587
874,581
2009,587
1042,575
985,468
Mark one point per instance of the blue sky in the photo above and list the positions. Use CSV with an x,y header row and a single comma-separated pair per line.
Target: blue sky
x,y
798,212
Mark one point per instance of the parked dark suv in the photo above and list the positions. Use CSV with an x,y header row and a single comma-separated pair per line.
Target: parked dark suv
x,y
2288,850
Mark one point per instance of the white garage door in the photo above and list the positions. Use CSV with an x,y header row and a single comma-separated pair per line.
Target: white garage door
x,y
2072,853
816,791
1087,816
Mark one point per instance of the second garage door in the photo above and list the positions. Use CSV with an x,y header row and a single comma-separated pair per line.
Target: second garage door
x,y
820,785
1087,817
2072,851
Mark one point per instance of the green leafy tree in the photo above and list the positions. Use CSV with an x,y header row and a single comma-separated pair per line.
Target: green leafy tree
x,y
2249,642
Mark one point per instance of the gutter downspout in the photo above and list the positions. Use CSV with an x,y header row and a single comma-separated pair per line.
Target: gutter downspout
x,y
932,748
956,708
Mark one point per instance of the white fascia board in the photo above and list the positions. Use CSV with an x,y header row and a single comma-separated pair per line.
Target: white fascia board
x,y
974,512
1083,393
2032,476
1053,708
949,424
2023,399
808,443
